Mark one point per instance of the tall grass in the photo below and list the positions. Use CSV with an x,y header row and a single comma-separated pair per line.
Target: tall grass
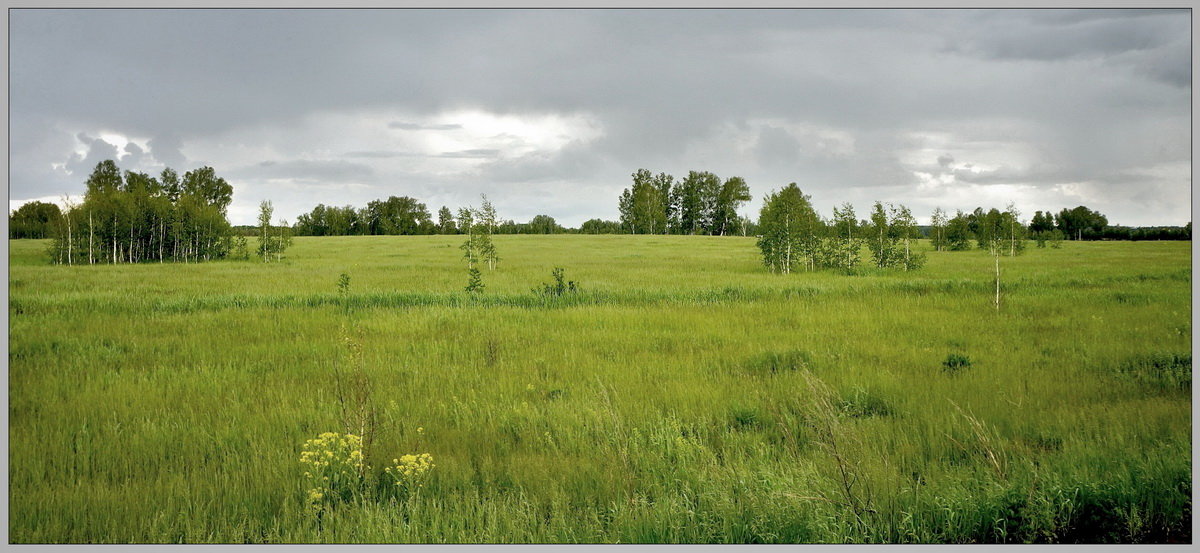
x,y
683,395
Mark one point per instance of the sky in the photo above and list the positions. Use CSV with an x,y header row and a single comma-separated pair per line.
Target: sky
x,y
551,111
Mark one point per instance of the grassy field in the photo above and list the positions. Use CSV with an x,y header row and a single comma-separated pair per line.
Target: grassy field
x,y
683,395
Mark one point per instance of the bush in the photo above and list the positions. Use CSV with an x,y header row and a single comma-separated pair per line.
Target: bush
x,y
956,362
559,287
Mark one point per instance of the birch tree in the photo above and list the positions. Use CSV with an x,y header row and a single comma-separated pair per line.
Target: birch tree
x,y
937,229
782,223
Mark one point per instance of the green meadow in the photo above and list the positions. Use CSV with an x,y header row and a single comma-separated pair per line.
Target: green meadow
x,y
683,394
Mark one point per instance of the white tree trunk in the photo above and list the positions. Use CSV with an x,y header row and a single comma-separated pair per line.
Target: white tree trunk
x,y
997,258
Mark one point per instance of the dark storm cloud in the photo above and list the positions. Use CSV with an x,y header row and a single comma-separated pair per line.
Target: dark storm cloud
x,y
831,99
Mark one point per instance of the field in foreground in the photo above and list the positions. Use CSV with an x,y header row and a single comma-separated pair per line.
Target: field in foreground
x,y
683,395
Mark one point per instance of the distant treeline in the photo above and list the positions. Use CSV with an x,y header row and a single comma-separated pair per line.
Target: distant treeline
x,y
403,215
142,217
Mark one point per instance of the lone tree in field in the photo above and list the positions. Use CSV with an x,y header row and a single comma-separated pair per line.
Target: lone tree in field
x,y
785,219
271,241
470,248
485,225
845,237
937,229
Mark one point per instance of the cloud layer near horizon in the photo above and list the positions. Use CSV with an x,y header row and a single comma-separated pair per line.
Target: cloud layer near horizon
x,y
550,111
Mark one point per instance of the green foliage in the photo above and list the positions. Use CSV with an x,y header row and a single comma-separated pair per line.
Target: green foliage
x,y
937,230
1167,371
599,226
560,286
272,240
332,221
845,241
789,230
643,207
474,280
137,218
1080,222
396,215
544,224
958,233
890,237
733,194
152,411
33,220
239,249
956,362
446,221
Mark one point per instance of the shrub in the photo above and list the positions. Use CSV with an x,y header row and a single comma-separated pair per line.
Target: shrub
x,y
956,362
559,287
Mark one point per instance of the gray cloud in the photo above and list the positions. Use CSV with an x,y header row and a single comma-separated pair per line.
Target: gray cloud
x,y
133,155
303,170
756,93
379,154
97,151
167,149
419,127
478,153
777,146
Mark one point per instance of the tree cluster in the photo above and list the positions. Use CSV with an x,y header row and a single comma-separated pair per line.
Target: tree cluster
x,y
395,215
405,216
1080,222
999,232
600,226
792,234
33,220
701,203
135,217
1146,233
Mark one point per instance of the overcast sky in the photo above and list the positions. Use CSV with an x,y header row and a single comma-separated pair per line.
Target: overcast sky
x,y
550,111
